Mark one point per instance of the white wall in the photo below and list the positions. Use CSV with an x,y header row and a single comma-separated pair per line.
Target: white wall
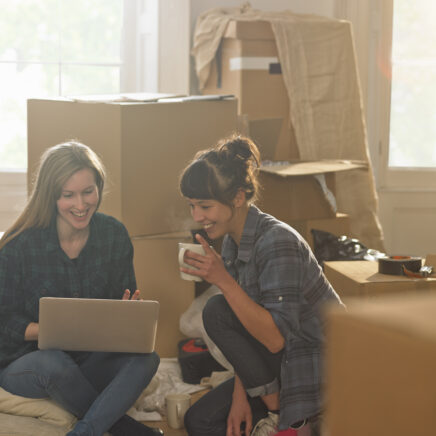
x,y
13,196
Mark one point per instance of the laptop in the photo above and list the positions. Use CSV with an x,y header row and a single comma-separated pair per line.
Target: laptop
x,y
83,324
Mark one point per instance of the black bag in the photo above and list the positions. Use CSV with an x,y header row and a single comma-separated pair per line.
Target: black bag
x,y
327,246
196,361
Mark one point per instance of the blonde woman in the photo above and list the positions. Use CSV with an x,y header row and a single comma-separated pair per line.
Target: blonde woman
x,y
267,322
60,246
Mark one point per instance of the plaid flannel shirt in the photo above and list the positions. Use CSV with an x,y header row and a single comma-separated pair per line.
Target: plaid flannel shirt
x,y
33,265
276,268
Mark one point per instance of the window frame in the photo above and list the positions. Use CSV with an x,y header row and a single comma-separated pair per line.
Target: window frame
x,y
393,178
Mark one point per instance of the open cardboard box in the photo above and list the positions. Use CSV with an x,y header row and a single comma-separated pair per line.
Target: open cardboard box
x,y
381,360
360,278
247,66
291,191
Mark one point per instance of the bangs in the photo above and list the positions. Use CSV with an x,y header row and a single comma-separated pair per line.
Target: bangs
x,y
196,181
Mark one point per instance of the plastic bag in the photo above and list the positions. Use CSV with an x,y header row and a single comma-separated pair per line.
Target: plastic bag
x,y
191,325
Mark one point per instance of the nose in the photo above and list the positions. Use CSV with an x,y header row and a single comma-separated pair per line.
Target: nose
x,y
80,202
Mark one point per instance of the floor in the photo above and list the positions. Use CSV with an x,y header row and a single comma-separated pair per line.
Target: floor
x,y
168,431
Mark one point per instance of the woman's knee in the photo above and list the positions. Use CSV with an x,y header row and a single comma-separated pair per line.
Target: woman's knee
x,y
151,360
194,422
55,363
45,361
208,416
214,313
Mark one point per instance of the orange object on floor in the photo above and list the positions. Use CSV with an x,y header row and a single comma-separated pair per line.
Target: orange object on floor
x,y
288,432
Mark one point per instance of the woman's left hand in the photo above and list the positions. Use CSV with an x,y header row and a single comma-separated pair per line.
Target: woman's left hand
x,y
135,296
210,267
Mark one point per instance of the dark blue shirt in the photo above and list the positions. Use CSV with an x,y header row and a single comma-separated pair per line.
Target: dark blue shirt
x,y
33,265
276,268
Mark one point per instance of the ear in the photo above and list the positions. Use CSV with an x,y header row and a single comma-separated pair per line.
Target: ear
x,y
239,199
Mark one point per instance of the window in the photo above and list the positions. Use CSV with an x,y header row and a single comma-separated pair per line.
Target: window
x,y
50,48
404,109
412,141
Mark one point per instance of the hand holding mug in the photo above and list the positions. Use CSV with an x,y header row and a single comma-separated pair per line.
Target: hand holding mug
x,y
205,263
185,253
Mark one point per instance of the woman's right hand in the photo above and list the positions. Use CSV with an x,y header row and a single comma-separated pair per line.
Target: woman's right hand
x,y
240,411
209,266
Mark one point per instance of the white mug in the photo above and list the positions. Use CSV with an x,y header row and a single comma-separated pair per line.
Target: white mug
x,y
177,405
197,248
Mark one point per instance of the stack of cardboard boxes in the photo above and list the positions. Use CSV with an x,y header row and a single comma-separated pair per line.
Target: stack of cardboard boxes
x,y
380,352
144,147
247,65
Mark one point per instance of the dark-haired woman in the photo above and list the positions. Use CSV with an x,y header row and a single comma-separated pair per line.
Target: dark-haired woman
x,y
267,322
60,246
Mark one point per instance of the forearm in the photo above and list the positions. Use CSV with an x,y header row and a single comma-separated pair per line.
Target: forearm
x,y
13,327
238,389
256,319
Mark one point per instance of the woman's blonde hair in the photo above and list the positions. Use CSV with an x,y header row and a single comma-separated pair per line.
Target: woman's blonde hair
x,y
56,166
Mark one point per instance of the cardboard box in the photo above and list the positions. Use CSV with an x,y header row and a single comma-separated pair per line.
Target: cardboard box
x,y
360,278
339,225
247,66
293,192
144,147
381,360
158,278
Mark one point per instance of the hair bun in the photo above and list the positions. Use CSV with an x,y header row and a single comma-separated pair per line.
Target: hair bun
x,y
241,149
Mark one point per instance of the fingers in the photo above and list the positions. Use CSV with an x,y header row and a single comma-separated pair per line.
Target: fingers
x,y
135,296
203,243
230,431
192,255
248,427
191,271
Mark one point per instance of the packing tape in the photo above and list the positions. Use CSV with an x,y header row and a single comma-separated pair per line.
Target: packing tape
x,y
395,264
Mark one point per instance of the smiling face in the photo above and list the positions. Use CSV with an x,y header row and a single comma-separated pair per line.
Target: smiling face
x,y
78,201
215,217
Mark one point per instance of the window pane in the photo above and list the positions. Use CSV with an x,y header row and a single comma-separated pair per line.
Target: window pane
x,y
91,30
413,101
16,86
29,30
41,39
80,80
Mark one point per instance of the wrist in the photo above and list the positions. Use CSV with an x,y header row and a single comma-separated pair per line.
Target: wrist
x,y
226,282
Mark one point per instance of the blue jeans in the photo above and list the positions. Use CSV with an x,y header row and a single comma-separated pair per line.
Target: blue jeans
x,y
255,365
98,388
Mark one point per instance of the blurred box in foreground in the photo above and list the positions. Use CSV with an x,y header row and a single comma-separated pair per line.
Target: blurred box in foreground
x,y
381,360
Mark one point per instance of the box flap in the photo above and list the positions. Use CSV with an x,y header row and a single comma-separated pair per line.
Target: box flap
x,y
122,98
304,168
206,97
249,30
